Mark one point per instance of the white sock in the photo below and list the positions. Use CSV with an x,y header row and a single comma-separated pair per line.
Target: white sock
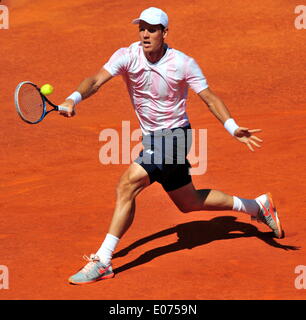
x,y
107,248
245,205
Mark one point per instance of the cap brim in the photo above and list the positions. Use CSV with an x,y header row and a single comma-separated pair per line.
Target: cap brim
x,y
136,21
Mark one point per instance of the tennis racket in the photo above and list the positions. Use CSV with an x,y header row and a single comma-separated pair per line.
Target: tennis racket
x,y
31,104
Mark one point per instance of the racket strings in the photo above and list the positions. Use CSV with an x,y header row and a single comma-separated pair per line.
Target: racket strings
x,y
30,103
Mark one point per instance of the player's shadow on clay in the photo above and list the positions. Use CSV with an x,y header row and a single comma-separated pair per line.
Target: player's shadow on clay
x,y
197,233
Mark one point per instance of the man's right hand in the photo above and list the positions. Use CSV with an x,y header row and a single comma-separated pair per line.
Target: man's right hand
x,y
70,105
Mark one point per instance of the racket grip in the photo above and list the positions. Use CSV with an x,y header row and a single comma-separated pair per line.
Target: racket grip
x,y
62,108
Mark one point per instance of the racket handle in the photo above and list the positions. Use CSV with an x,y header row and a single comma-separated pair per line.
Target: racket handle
x,y
62,108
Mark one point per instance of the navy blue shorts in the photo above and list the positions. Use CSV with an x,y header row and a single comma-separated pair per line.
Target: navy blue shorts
x,y
164,157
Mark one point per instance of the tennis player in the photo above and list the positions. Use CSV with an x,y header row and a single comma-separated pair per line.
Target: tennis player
x,y
157,78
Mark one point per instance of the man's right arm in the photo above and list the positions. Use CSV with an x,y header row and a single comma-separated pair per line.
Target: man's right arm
x,y
87,88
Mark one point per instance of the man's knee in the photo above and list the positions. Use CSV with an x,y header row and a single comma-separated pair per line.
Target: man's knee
x,y
131,183
125,187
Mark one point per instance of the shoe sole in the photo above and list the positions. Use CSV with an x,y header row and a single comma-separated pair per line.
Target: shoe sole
x,y
279,227
109,276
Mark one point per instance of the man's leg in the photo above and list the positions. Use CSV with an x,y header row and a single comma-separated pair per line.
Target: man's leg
x,y
188,199
132,182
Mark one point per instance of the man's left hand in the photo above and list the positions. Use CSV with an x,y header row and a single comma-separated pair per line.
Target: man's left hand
x,y
246,136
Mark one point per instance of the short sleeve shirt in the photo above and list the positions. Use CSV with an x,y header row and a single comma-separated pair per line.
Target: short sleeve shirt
x,y
158,91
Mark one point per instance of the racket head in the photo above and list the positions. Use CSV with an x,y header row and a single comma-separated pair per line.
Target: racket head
x,y
30,103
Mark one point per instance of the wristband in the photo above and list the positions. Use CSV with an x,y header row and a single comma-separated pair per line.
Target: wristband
x,y
76,97
230,125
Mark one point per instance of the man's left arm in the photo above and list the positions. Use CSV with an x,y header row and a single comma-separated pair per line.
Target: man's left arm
x,y
220,111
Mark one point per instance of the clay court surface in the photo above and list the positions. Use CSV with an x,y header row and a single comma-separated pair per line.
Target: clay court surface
x,y
57,198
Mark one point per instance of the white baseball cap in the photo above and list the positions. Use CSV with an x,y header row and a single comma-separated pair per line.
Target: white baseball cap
x,y
153,16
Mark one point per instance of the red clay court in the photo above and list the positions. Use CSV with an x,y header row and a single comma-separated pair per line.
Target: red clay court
x,y
57,198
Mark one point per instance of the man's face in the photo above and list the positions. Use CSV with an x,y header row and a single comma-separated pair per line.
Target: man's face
x,y
151,36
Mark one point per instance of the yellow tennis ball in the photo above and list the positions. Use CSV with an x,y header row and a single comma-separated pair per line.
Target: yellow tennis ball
x,y
46,89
